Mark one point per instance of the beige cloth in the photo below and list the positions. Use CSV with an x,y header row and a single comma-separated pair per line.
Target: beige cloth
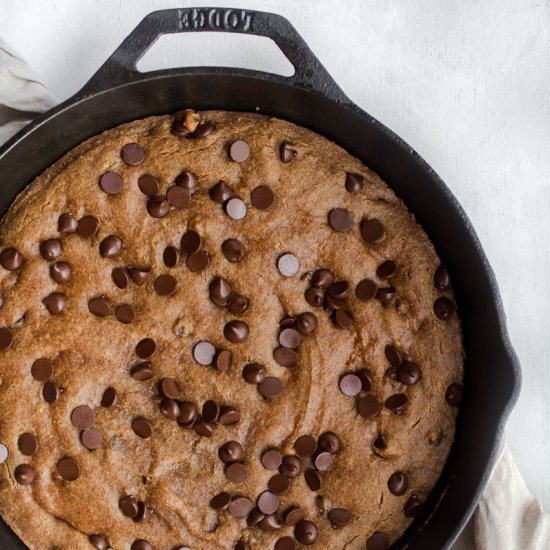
x,y
508,517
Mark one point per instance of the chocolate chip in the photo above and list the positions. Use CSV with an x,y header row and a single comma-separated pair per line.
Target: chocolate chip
x,y
67,223
342,318
148,185
393,355
229,416
220,192
330,442
334,303
87,226
68,468
132,154
60,272
313,479
444,308
143,371
368,406
50,392
220,501
350,385
441,278
339,517
82,417
169,388
315,296
99,307
233,250
290,466
372,231
204,353
42,370
408,373
178,197
158,207
285,543
203,130
413,505
286,154
99,541
262,197
239,151
305,532
54,302
293,515
398,483
270,387
179,129
354,182
171,256
305,445
285,357
206,429
235,208
278,484
323,461
366,380
378,541
90,438
11,259
125,313
288,265
165,285
210,411
144,513
386,269
141,544
198,261
271,459
187,180
191,242
268,503
230,452
340,219
236,331
322,278
236,472
110,246
109,398
237,304
139,276
306,323
50,249
27,444
254,517
386,296
169,408
145,348
24,474
240,507
270,523
142,428
289,338
453,395
188,413
111,183
397,402
222,360
338,290
254,373
219,291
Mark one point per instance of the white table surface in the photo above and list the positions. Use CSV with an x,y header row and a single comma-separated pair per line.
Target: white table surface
x,y
465,83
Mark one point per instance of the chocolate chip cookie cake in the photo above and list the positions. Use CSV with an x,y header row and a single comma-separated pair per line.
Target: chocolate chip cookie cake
x,y
220,331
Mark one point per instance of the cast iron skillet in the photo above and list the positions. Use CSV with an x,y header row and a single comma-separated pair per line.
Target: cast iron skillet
x,y
118,93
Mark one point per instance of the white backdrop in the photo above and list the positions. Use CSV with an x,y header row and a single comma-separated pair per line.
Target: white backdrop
x,y
465,83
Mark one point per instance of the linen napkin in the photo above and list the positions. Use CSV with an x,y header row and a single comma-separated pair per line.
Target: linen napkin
x,y
508,516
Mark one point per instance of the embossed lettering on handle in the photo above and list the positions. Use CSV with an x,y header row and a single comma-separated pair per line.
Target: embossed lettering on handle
x,y
215,19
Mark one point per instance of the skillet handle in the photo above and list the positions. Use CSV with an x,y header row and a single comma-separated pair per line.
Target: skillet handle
x,y
120,67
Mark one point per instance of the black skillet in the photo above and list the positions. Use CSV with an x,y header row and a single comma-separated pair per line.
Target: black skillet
x,y
118,93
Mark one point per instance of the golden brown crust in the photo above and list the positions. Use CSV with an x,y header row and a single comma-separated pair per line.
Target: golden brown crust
x,y
177,471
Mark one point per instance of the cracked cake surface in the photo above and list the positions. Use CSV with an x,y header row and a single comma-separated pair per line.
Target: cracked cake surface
x,y
220,331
